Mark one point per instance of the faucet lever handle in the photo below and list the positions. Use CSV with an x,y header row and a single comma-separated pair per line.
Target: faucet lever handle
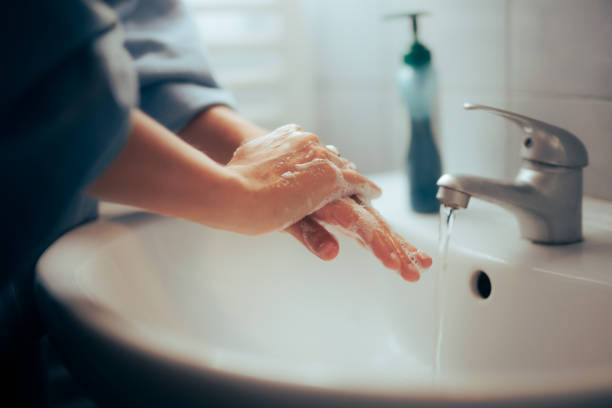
x,y
543,143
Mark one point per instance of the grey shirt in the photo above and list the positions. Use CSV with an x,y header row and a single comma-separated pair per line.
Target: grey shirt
x,y
173,72
73,71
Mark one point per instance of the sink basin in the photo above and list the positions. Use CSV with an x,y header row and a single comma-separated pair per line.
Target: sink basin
x,y
153,311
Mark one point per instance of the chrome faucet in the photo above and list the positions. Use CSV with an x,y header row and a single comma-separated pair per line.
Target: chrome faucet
x,y
546,196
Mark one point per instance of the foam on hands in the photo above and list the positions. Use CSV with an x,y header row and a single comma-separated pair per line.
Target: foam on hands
x,y
307,231
288,175
368,221
365,191
413,256
408,250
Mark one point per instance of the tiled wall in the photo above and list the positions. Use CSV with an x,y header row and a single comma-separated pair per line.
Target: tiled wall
x,y
550,59
561,72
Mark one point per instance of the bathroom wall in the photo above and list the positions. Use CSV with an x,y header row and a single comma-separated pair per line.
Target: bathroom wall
x,y
257,50
550,59
561,71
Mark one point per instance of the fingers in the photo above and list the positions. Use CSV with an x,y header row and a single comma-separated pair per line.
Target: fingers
x,y
366,225
346,181
313,148
302,154
416,256
355,221
411,259
364,187
290,174
315,237
384,250
337,160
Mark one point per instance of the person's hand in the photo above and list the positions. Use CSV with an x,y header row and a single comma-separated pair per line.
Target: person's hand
x,y
304,187
360,221
219,131
273,182
287,175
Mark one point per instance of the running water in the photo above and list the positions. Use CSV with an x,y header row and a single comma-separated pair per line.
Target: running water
x,y
447,217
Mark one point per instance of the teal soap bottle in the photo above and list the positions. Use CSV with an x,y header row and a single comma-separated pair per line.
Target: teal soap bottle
x,y
417,82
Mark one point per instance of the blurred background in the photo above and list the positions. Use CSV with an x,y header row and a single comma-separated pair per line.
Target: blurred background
x,y
330,66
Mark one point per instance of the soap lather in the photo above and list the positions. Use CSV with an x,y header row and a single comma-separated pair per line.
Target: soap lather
x,y
417,81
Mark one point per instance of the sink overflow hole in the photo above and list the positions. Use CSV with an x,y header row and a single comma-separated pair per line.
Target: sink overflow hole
x,y
481,285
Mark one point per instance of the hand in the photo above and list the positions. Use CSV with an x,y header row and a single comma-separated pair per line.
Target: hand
x,y
288,174
225,131
361,222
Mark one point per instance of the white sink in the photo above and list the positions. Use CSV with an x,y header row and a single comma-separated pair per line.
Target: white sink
x,y
151,311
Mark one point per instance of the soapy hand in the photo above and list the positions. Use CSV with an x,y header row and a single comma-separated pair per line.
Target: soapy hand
x,y
363,223
288,174
300,185
360,221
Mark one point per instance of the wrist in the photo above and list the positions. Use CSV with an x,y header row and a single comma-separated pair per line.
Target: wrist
x,y
219,131
234,201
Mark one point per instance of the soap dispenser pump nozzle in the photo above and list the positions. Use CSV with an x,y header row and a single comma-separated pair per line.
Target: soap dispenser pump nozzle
x,y
418,54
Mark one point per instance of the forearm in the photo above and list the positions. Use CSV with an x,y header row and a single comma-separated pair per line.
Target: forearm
x,y
218,132
159,172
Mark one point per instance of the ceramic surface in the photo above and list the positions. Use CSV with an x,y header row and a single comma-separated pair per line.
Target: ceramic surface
x,y
148,310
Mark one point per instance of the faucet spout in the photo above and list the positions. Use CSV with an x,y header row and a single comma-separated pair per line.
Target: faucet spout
x,y
546,196
545,201
452,198
456,190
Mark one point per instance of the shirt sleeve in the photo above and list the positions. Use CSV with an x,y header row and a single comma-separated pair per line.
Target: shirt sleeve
x,y
65,117
174,76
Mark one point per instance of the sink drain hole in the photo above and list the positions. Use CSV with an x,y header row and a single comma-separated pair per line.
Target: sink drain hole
x,y
481,285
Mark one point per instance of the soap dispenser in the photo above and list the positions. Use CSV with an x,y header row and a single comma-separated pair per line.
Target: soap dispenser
x,y
417,82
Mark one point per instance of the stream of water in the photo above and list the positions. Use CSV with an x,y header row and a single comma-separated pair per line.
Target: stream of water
x,y
447,218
